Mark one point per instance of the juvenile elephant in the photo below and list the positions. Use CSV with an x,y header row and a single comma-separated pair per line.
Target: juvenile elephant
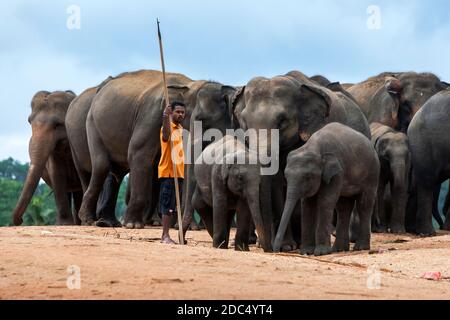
x,y
297,107
430,156
212,111
228,181
334,169
393,152
51,158
393,98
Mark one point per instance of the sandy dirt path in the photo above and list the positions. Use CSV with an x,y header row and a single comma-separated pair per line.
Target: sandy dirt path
x,y
132,264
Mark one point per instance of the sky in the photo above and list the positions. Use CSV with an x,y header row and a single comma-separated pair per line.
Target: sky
x,y
42,48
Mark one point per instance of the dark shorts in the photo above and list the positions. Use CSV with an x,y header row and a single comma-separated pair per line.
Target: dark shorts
x,y
167,197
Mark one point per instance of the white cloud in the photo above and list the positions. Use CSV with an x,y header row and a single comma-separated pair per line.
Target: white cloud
x,y
15,146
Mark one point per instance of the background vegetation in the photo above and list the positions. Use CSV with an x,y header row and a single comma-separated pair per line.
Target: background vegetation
x,y
42,209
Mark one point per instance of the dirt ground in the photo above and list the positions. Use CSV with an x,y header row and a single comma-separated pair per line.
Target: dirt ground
x,y
35,263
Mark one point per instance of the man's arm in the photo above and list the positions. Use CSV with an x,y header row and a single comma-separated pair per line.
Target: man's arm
x,y
166,124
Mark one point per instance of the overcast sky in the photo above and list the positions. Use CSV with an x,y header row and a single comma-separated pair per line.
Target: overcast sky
x,y
227,41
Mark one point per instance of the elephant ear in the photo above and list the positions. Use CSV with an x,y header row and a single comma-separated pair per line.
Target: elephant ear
x,y
393,85
237,105
228,93
330,167
306,88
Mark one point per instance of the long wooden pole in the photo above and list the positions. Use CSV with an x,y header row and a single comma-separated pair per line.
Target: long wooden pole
x,y
175,173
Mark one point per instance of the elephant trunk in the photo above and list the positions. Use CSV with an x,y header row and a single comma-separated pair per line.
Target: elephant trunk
x,y
399,195
255,210
40,148
265,198
292,198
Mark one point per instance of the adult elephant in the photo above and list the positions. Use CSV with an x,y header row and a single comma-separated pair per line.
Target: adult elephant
x,y
430,156
76,131
393,99
51,158
297,107
123,127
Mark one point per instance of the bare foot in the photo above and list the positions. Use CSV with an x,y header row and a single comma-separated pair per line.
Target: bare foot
x,y
167,240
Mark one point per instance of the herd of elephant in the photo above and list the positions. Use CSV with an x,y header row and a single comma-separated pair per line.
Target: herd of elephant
x,y
353,158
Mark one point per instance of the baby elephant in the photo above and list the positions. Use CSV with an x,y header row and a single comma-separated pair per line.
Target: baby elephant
x,y
228,182
337,167
393,153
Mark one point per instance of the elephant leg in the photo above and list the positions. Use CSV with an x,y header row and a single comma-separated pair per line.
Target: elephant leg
x,y
435,210
380,214
151,216
100,169
364,205
308,224
327,199
191,187
252,238
424,217
59,184
244,223
77,199
107,208
344,210
141,175
296,224
204,210
447,217
221,221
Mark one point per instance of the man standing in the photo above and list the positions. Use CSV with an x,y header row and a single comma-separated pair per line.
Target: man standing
x,y
173,115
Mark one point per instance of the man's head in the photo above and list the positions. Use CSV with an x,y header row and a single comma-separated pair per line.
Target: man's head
x,y
178,110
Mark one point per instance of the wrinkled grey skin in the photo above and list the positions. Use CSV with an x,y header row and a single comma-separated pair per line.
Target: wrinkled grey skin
x,y
430,155
393,152
76,131
213,108
394,98
123,127
51,158
297,107
336,168
228,186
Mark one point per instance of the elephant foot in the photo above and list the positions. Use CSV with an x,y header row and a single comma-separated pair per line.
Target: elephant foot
x,y
88,222
427,231
253,239
222,245
360,246
65,222
17,221
241,247
397,229
341,246
134,225
156,224
306,250
379,229
108,223
289,247
322,250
